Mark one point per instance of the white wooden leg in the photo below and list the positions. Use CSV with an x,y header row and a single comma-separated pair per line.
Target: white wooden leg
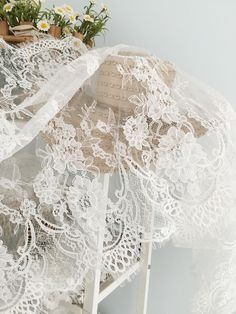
x,y
91,300
144,278
93,296
92,288
146,259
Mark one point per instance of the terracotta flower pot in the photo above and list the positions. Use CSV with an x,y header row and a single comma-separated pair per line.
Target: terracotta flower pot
x,y
4,28
89,43
55,31
79,35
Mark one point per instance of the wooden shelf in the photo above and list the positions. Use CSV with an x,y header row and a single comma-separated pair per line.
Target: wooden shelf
x,y
11,39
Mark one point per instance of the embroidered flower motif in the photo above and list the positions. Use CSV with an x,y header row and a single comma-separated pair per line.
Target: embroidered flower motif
x,y
4,257
68,157
5,293
28,208
136,131
67,152
181,156
162,107
157,106
59,209
172,139
46,186
7,138
83,199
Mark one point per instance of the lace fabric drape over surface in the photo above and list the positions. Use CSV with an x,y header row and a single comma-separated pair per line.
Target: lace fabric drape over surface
x,y
70,117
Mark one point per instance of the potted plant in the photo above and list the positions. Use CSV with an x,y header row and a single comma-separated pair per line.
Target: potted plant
x,y
98,27
60,18
4,28
23,15
23,12
92,24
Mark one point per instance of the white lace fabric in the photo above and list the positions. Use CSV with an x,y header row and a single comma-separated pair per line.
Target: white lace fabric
x,y
70,117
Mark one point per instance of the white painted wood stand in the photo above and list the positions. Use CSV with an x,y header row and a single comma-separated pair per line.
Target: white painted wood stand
x,y
94,294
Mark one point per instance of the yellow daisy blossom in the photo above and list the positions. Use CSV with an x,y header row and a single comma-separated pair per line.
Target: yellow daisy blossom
x,y
59,11
43,25
68,8
67,31
72,18
8,7
88,18
104,7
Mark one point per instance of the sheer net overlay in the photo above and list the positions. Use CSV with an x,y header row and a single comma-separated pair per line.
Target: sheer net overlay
x,y
69,118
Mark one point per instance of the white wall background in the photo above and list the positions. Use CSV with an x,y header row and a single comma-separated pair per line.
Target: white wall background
x,y
200,37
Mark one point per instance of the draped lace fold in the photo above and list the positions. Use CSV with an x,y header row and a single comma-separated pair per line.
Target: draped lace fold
x,y
71,119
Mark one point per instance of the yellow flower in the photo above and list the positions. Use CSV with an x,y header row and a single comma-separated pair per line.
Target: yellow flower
x,y
93,1
104,7
77,44
59,11
43,25
88,18
72,18
67,8
67,31
8,7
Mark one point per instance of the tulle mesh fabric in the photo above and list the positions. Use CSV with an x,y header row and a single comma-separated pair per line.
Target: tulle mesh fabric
x,y
110,140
